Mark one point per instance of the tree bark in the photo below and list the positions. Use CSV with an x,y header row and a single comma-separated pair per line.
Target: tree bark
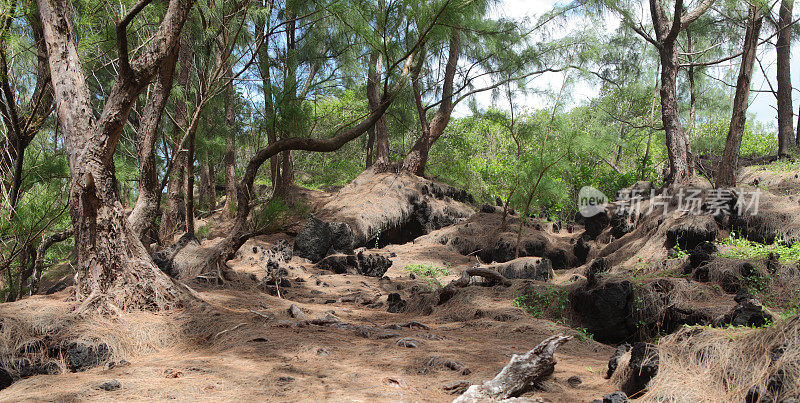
x,y
143,216
726,175
208,192
378,144
113,266
783,49
188,189
416,159
174,211
678,149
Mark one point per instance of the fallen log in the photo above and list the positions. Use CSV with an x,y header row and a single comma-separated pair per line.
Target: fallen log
x,y
521,373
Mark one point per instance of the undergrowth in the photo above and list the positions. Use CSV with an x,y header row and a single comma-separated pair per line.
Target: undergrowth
x,y
741,248
544,301
428,273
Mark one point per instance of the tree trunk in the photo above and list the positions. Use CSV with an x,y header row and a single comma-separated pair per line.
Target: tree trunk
x,y
188,189
144,212
785,109
416,159
378,144
680,161
230,173
229,158
726,175
174,211
113,267
208,197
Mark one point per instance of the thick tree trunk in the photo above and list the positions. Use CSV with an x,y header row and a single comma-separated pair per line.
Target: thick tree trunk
x,y
416,159
726,175
174,211
113,267
785,109
144,212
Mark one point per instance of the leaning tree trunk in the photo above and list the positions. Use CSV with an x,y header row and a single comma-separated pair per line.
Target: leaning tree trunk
x,y
783,50
726,175
113,267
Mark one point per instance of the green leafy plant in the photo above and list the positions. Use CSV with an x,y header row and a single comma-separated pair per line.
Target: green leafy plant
x,y
544,301
583,335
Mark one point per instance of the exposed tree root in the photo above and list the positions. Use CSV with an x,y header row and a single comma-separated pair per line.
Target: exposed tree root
x,y
521,373
451,289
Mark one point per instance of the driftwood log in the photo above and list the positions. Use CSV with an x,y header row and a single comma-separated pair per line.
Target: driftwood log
x,y
521,373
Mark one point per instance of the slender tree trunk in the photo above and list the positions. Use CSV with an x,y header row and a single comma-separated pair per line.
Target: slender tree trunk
x,y
416,159
174,211
229,158
188,189
144,212
378,144
726,175
783,50
692,90
113,266
290,126
680,161
208,196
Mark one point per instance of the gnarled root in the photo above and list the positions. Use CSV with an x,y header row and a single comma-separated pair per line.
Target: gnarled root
x,y
450,290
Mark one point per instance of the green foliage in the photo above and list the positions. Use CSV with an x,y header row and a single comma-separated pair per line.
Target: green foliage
x,y
741,248
583,335
270,217
544,301
758,140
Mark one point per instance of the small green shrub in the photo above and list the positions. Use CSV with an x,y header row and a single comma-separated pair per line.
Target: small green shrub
x,y
544,301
